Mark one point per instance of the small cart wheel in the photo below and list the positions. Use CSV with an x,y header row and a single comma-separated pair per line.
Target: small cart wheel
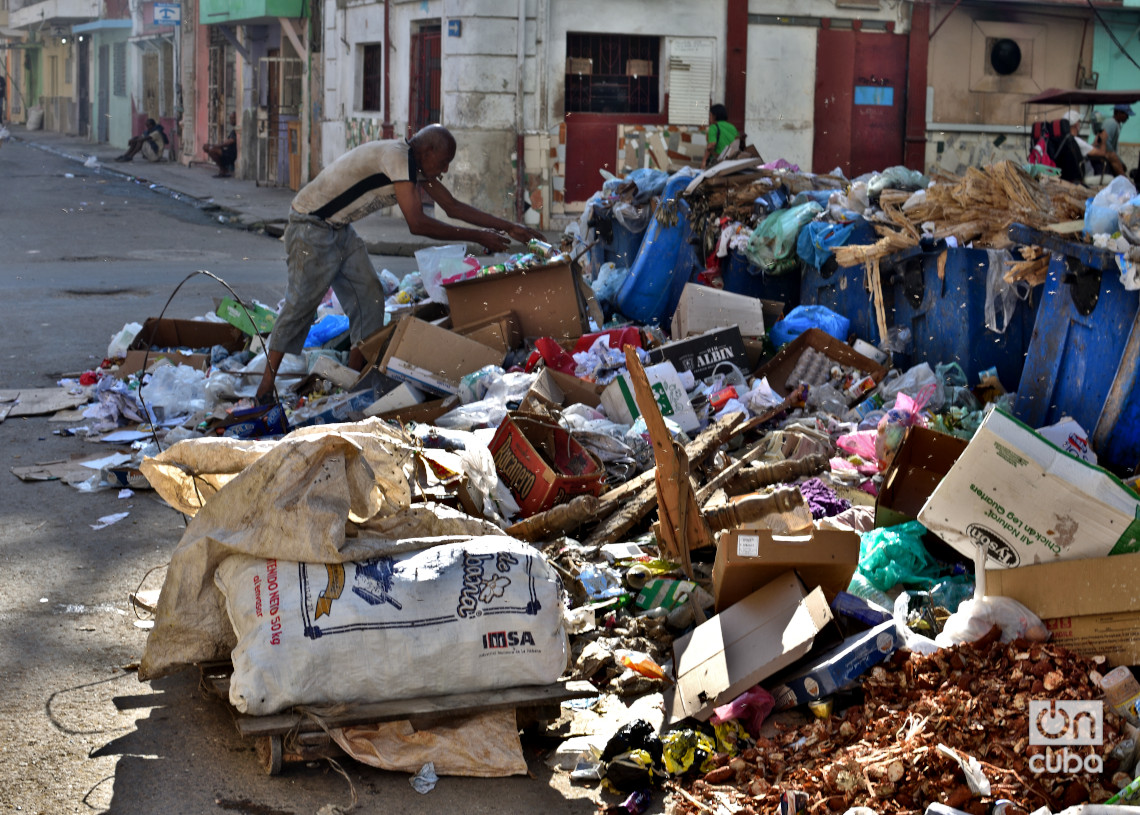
x,y
270,754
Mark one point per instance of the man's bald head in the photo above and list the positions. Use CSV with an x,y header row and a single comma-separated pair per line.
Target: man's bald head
x,y
433,148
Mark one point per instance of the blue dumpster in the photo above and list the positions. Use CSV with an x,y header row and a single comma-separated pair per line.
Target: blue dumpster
x,y
947,318
1085,351
741,277
622,249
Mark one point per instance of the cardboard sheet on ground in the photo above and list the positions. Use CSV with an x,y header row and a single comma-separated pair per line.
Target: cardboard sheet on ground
x,y
69,471
37,401
484,745
324,494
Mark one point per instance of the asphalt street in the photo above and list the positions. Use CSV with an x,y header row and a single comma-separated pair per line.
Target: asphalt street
x,y
82,254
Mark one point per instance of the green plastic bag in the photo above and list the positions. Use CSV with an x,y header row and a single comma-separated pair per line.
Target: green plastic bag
x,y
775,239
896,554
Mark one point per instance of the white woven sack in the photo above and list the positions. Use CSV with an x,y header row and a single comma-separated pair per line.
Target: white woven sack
x,y
478,615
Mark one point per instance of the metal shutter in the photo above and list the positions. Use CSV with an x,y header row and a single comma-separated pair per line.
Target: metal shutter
x,y
690,79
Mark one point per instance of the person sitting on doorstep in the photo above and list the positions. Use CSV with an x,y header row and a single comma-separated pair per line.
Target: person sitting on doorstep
x,y
721,134
224,154
154,131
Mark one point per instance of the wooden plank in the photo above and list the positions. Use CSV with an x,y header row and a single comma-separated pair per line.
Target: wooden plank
x,y
399,709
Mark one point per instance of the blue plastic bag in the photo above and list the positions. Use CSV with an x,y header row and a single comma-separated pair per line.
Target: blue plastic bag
x,y
327,328
818,240
801,318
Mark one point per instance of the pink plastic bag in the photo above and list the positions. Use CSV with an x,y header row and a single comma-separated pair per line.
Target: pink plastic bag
x,y
906,413
751,708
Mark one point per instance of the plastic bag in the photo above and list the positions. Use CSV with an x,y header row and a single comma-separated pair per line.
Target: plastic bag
x,y
650,183
976,616
906,413
775,239
174,390
801,318
1102,211
430,261
818,240
999,293
896,178
389,282
912,382
122,340
896,554
327,328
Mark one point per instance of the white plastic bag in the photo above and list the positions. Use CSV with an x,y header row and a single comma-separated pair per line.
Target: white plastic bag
x,y
431,262
122,340
999,294
975,617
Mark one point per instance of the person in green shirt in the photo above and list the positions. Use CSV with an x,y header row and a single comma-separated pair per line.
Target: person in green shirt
x,y
721,134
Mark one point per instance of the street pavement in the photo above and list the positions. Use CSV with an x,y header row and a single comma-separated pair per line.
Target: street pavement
x,y
238,202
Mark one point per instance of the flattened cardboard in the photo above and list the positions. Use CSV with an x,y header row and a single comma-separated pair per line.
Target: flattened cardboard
x,y
919,466
746,643
332,371
542,464
1027,501
1090,605
37,401
747,559
703,308
168,333
545,298
705,353
402,396
433,358
837,668
779,367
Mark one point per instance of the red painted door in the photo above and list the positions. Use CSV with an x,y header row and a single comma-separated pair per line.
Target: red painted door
x,y
591,145
425,78
860,101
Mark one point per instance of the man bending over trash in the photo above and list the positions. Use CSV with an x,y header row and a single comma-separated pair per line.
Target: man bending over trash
x,y
324,250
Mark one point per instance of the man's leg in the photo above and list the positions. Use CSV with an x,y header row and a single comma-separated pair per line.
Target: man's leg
x,y
360,294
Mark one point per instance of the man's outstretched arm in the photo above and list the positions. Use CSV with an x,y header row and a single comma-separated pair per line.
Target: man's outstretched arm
x,y
469,214
420,223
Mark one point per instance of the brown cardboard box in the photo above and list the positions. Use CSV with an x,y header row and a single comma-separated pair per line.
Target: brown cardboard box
x,y
779,367
375,344
731,652
501,331
1091,606
920,464
545,299
167,333
542,463
638,67
746,559
433,358
423,413
703,308
554,388
579,65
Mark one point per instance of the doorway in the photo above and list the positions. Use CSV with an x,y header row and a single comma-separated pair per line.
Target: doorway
x,y
860,101
104,91
83,86
424,107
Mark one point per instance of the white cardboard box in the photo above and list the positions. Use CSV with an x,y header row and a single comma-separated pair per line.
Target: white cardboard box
x,y
1028,501
703,308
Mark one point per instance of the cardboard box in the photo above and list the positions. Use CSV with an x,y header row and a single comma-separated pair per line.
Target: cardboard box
x,y
433,358
579,65
919,466
779,367
703,354
234,313
556,389
1027,501
545,299
638,67
621,406
542,464
375,344
1091,606
162,334
402,396
746,559
423,413
746,643
345,407
703,308
501,331
836,668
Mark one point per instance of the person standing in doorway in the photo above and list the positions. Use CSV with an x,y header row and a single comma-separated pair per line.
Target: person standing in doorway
x,y
324,250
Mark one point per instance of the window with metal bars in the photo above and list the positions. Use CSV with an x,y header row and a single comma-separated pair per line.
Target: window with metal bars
x,y
372,77
120,69
612,73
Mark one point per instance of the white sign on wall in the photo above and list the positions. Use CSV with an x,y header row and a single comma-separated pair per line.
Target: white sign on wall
x,y
690,79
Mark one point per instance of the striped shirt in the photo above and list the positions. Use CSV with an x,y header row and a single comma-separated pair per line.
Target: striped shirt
x,y
361,181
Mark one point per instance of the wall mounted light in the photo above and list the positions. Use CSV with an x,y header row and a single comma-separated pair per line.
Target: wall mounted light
x,y
63,40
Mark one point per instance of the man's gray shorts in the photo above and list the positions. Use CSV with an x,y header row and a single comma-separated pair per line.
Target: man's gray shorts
x,y
319,256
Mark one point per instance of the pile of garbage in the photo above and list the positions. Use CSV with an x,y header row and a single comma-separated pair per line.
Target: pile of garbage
x,y
775,547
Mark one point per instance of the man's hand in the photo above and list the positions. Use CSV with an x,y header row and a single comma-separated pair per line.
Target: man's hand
x,y
522,233
493,241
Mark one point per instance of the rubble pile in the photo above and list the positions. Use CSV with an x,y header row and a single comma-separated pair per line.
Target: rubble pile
x,y
922,719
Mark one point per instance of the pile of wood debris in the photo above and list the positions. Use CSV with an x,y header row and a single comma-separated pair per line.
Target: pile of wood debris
x,y
921,715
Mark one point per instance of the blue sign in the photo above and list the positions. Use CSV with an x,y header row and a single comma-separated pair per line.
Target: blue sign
x,y
168,14
874,95
455,28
